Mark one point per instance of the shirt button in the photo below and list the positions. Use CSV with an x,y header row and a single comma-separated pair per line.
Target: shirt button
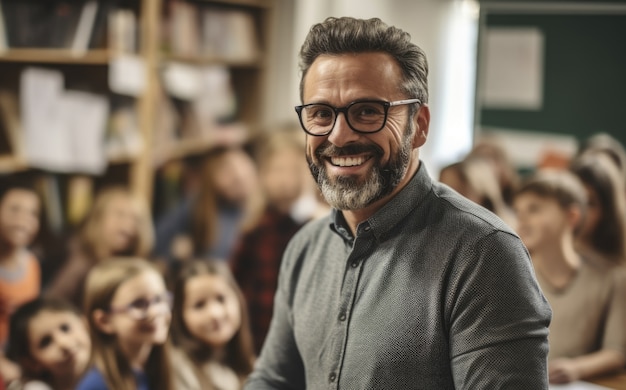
x,y
355,264
368,228
332,377
342,317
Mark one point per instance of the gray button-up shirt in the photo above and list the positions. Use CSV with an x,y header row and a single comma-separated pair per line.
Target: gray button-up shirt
x,y
434,292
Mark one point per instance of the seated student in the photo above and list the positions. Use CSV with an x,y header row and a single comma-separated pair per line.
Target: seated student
x,y
20,273
587,333
50,342
118,224
210,329
602,236
210,219
475,178
129,312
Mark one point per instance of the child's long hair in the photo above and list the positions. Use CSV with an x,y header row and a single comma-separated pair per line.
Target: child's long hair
x,y
239,350
102,283
206,206
90,232
18,348
603,176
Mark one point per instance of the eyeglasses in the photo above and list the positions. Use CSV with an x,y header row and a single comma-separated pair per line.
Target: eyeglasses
x,y
139,308
366,116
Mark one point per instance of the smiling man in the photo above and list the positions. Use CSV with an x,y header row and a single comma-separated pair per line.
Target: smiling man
x,y
406,284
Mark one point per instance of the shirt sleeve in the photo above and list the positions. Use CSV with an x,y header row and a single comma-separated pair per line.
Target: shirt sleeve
x,y
498,317
614,331
280,365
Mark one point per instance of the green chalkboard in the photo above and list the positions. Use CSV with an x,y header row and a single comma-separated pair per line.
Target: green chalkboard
x,y
584,75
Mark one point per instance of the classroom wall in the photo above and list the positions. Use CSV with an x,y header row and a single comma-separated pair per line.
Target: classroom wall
x,y
584,88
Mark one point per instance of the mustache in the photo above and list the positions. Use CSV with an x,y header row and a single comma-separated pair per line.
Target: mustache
x,y
327,149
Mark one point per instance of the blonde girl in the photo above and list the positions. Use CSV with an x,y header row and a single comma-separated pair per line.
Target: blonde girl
x,y
210,329
50,342
118,224
129,313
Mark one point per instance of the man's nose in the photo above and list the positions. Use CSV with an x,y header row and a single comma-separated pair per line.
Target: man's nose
x,y
342,134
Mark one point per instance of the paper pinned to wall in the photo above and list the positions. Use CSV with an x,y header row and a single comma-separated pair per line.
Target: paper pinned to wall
x,y
512,70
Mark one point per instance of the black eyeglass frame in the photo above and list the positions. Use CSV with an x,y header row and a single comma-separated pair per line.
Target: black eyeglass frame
x,y
386,105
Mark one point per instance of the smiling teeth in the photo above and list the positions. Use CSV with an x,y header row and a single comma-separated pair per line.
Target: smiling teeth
x,y
347,161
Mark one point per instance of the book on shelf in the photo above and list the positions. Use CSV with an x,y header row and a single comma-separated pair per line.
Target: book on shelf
x,y
48,187
82,36
9,114
41,24
194,30
4,45
80,193
122,31
229,34
184,28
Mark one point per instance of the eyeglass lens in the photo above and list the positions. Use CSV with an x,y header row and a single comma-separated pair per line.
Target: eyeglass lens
x,y
139,308
361,116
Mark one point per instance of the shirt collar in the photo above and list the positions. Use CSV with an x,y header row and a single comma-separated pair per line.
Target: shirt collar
x,y
392,212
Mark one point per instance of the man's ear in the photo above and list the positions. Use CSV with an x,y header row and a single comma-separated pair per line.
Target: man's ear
x,y
421,121
102,321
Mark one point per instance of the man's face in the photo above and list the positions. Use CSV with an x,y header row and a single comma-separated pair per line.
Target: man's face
x,y
354,170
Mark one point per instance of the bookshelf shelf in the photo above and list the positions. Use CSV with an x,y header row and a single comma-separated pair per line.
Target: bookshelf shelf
x,y
56,56
249,3
252,63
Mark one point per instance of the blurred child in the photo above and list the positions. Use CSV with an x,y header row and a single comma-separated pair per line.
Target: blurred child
x,y
50,342
606,144
284,180
587,334
128,310
20,274
603,234
475,178
118,224
210,329
210,219
490,148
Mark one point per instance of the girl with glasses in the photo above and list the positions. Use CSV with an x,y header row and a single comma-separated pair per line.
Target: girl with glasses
x,y
129,312
210,328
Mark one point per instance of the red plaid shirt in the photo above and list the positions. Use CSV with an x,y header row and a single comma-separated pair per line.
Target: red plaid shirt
x,y
256,263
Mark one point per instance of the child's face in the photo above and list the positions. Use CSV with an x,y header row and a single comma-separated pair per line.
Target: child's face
x,y
140,310
120,224
59,343
283,178
211,310
541,221
19,217
235,177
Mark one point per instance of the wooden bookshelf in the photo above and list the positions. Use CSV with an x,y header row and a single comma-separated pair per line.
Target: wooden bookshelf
x,y
89,70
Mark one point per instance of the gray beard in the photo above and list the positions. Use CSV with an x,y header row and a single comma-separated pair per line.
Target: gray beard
x,y
351,193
